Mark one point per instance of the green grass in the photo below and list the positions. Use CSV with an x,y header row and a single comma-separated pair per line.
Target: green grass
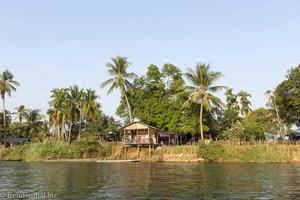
x,y
39,151
258,152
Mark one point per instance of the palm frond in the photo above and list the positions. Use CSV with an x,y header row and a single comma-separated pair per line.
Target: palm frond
x,y
107,82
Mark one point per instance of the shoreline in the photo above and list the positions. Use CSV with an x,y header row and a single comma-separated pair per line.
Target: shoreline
x,y
218,152
89,160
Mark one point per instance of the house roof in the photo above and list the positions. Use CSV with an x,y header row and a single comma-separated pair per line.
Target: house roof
x,y
296,133
15,140
137,126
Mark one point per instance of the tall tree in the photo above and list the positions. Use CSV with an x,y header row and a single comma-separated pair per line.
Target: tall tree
x,y
90,107
201,90
75,101
57,109
21,111
287,95
118,69
245,102
34,122
154,101
274,107
7,85
231,100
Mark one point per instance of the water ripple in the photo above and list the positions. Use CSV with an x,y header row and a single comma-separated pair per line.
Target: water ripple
x,y
152,180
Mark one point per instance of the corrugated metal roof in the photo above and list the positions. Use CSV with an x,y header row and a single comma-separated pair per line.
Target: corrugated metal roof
x,y
19,140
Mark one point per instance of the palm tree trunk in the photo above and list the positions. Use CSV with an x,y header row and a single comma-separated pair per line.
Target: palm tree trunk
x,y
129,110
4,113
278,119
201,121
70,131
58,133
79,131
64,132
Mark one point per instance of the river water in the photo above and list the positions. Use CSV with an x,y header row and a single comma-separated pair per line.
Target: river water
x,y
150,180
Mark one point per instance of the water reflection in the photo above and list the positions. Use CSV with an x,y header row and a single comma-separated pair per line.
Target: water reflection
x,y
152,180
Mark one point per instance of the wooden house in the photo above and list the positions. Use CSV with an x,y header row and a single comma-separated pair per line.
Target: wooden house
x,y
138,133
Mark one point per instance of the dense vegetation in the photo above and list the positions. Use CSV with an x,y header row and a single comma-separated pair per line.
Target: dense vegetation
x,y
160,98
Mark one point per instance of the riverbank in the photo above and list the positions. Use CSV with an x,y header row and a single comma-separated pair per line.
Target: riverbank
x,y
221,151
50,151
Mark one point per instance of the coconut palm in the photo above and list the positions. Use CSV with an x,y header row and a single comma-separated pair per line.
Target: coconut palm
x,y
273,105
75,103
21,111
118,69
91,108
245,102
57,109
34,121
7,85
231,100
201,90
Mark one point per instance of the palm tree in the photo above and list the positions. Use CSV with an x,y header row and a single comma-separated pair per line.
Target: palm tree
x,y
33,122
244,99
201,91
231,100
272,103
21,111
7,85
118,69
91,108
57,109
75,104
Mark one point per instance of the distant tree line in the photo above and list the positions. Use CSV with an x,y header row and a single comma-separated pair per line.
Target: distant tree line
x,y
160,98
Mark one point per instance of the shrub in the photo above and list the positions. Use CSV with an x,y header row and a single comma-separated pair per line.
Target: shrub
x,y
86,149
246,131
234,133
211,151
48,149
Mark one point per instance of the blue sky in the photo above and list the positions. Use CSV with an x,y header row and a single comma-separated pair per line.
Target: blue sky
x,y
58,43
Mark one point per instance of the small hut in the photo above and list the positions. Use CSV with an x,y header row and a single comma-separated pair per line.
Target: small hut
x,y
11,141
138,133
168,138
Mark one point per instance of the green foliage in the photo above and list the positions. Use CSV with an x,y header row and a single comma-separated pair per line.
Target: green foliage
x,y
287,98
236,132
211,151
202,89
252,131
257,152
74,111
7,85
120,80
228,119
4,130
244,131
85,149
245,103
265,118
268,153
155,102
47,149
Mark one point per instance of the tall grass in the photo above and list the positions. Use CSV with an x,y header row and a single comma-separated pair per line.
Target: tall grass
x,y
224,151
257,152
47,149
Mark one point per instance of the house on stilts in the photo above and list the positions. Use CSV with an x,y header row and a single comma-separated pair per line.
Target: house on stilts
x,y
141,134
